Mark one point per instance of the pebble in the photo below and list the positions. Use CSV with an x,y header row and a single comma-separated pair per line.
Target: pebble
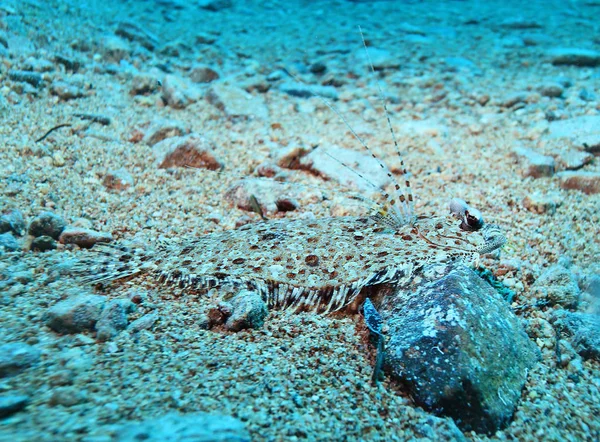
x,y
29,77
235,102
114,49
144,323
16,357
558,286
583,132
552,90
178,93
203,73
296,89
70,63
113,318
249,311
84,238
118,180
8,243
43,243
513,99
587,182
143,84
66,91
13,221
193,150
534,164
538,203
572,159
47,224
574,56
162,129
66,396
11,404
76,314
214,5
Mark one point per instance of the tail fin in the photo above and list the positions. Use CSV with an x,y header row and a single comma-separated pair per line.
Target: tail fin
x,y
106,263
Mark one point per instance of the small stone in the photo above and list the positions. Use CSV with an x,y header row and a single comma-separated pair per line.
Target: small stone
x,y
519,23
203,73
43,243
190,151
66,396
113,318
84,238
557,286
47,224
118,180
192,427
16,357
534,164
574,56
12,221
249,311
539,204
215,5
513,99
587,182
11,404
583,331
70,63
76,314
66,91
235,102
143,84
204,38
144,323
161,129
32,78
115,49
573,159
296,89
552,90
179,93
583,132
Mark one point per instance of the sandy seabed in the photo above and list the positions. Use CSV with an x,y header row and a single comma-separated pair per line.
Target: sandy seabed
x,y
466,83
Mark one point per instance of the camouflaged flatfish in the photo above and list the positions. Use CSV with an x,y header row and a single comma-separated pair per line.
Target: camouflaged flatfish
x,y
318,265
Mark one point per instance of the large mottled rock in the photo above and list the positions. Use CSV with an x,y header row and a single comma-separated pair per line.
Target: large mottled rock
x,y
190,151
557,286
47,224
173,427
582,330
235,102
584,131
17,356
113,318
76,314
457,347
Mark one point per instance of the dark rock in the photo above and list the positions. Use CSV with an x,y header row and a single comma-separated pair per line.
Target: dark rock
x,y
575,56
66,396
84,238
583,331
587,182
457,347
143,323
296,89
190,151
75,315
215,5
30,77
193,427
552,90
113,318
16,357
47,224
11,404
12,222
70,63
249,311
43,243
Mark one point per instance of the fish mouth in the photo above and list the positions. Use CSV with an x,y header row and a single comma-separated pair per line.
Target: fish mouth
x,y
493,237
